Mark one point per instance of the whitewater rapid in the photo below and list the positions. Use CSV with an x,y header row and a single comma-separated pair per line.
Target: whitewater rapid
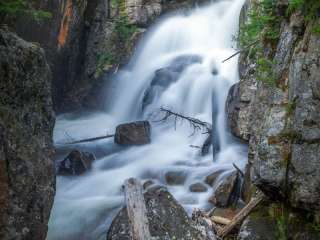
x,y
84,206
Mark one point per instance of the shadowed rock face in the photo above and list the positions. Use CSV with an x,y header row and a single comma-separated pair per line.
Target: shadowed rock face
x,y
27,180
167,219
282,121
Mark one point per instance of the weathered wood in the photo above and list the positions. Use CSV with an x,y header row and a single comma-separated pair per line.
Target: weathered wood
x,y
92,139
137,211
221,220
242,214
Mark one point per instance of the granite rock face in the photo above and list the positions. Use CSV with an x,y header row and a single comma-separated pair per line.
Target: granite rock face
x,y
280,121
167,219
27,178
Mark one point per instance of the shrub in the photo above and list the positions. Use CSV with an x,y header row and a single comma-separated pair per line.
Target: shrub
x,y
124,29
14,8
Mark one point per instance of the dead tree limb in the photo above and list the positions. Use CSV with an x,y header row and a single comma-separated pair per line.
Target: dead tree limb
x,y
137,211
194,122
238,169
241,51
242,214
92,139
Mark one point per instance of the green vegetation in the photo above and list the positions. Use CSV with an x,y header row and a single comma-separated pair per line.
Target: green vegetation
x,y
310,10
105,60
124,29
294,5
14,8
263,26
265,71
291,106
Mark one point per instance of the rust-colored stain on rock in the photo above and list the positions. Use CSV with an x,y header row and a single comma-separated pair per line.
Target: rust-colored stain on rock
x,y
65,24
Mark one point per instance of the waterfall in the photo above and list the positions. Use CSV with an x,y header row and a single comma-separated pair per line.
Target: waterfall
x,y
190,50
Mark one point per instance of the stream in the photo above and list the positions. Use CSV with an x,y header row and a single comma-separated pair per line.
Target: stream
x,y
178,65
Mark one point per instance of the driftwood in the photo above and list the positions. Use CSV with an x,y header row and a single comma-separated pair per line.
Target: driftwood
x,y
241,51
92,139
241,215
220,220
137,211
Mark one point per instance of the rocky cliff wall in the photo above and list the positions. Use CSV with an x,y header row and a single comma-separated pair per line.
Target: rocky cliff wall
x,y
27,179
275,106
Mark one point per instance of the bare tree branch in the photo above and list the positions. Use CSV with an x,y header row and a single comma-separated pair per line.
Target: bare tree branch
x,y
241,51
195,123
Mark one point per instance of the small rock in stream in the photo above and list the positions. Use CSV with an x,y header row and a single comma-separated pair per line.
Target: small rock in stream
x,y
175,177
198,187
76,163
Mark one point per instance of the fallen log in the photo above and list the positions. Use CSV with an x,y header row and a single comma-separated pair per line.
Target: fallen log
x,y
242,214
137,211
92,139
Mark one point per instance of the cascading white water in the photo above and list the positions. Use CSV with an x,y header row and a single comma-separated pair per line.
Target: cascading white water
x,y
84,206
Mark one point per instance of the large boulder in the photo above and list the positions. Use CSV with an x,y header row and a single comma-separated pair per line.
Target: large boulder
x,y
227,191
135,133
27,175
76,163
167,219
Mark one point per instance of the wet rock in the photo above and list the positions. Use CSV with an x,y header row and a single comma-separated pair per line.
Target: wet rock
x,y
210,179
76,163
135,133
148,184
258,229
175,177
223,196
27,177
166,76
167,219
198,187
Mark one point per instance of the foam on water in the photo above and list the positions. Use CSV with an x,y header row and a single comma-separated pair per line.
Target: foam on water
x,y
84,206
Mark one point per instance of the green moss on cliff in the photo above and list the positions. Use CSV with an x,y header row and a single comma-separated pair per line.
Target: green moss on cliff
x,y
14,8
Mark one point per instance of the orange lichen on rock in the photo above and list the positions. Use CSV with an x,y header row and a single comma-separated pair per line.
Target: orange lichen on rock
x,y
65,24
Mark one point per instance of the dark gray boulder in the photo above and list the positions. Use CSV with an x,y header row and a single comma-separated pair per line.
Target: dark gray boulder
x,y
167,219
135,133
27,175
226,192
76,163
